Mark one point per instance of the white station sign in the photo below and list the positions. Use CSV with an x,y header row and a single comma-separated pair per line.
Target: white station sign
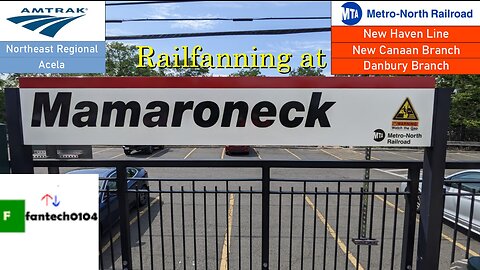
x,y
399,117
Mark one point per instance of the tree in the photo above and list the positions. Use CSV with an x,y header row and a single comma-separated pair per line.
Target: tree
x,y
302,71
465,108
182,71
121,60
251,72
2,101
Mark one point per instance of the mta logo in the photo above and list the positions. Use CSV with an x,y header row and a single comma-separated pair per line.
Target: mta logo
x,y
351,14
49,25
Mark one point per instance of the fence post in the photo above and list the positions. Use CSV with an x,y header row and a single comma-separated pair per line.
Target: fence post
x,y
265,217
431,208
409,221
4,164
123,206
20,154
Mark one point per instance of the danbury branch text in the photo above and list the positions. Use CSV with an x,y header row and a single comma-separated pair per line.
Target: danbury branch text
x,y
194,58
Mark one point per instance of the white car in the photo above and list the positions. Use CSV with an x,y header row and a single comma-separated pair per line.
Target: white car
x,y
470,180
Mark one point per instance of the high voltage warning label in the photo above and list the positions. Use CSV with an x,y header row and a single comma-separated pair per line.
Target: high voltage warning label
x,y
405,116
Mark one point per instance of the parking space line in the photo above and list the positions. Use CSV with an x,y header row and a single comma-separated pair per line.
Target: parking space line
x,y
335,156
115,238
466,155
392,173
119,155
158,153
228,235
371,157
333,233
292,154
190,153
256,152
400,155
100,151
223,153
444,236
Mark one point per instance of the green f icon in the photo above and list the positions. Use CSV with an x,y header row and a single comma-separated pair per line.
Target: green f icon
x,y
12,216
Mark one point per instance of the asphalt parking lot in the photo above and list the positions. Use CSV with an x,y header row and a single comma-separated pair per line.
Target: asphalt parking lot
x,y
235,242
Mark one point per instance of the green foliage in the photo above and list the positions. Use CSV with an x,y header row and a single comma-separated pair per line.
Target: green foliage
x,y
121,60
2,101
465,108
251,72
302,71
184,72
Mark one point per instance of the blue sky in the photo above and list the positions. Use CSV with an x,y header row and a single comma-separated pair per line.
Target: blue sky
x,y
296,44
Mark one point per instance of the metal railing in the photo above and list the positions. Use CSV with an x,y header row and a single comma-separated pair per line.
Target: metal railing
x,y
269,221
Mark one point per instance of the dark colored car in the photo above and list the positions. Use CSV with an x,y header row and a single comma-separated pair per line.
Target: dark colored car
x,y
237,149
128,149
138,176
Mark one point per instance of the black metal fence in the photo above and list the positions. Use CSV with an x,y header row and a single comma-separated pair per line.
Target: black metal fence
x,y
276,220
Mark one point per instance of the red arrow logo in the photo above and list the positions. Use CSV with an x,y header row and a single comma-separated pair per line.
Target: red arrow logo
x,y
45,197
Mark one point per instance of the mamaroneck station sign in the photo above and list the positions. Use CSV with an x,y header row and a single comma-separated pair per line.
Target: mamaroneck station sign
x,y
347,111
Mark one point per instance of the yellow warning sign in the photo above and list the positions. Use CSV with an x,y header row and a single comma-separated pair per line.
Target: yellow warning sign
x,y
406,112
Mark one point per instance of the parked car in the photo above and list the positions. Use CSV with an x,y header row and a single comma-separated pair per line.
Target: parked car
x,y
148,149
138,176
237,149
470,181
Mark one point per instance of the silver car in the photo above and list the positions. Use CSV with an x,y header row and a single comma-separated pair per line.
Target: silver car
x,y
470,181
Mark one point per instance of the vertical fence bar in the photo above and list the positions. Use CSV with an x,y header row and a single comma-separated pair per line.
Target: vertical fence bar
x,y
325,230
194,226
291,230
303,224
137,208
216,228
369,257
205,225
251,226
162,234
395,215
409,219
279,227
123,206
382,237
227,221
314,227
470,220
150,236
110,221
184,239
172,223
337,221
455,224
349,217
239,228
265,217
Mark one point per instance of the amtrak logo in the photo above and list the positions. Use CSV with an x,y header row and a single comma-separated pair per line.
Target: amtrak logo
x,y
53,23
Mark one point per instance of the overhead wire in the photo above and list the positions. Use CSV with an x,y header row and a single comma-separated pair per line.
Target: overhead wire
x,y
223,33
240,19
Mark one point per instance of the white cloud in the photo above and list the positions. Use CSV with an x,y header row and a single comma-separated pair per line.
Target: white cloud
x,y
168,11
116,32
